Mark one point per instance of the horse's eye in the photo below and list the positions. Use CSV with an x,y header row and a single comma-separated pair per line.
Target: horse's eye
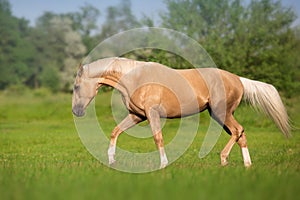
x,y
76,87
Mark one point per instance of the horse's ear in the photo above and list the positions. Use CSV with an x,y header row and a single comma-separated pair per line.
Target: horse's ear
x,y
80,65
80,70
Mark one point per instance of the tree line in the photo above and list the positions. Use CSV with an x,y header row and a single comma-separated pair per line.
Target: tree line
x,y
253,39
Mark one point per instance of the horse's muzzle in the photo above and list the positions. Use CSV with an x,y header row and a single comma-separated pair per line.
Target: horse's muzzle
x,y
78,110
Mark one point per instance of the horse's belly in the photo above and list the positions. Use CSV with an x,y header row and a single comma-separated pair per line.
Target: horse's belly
x,y
172,99
179,108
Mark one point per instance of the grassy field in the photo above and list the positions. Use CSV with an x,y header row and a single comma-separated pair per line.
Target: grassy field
x,y
42,157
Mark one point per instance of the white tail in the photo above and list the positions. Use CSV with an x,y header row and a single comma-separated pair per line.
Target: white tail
x,y
267,98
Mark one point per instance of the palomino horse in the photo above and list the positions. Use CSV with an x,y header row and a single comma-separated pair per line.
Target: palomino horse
x,y
152,91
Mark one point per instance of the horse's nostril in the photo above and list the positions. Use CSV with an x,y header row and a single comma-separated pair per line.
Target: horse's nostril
x,y
78,110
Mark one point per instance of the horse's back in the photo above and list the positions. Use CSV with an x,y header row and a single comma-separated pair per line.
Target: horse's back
x,y
189,91
225,88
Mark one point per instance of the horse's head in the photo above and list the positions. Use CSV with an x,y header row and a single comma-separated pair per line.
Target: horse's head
x,y
85,89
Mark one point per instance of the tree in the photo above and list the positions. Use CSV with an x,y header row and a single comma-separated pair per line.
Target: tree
x,y
119,18
58,46
85,22
15,49
49,78
247,39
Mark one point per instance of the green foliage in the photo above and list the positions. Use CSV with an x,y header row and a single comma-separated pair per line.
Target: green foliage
x,y
158,55
249,38
41,154
254,40
85,22
15,49
50,79
59,46
118,19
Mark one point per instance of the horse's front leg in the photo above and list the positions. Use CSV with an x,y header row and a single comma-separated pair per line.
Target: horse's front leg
x,y
127,123
154,120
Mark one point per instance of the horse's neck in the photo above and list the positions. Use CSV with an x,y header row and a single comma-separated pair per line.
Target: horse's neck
x,y
110,67
97,68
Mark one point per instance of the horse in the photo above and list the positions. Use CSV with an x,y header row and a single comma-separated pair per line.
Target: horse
x,y
151,91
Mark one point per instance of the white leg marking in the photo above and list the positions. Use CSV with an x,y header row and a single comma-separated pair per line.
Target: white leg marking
x,y
246,156
111,154
163,158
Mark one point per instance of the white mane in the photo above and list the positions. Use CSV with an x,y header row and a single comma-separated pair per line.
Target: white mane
x,y
110,65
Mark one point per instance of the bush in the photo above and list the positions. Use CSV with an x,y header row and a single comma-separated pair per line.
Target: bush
x,y
50,79
42,92
17,89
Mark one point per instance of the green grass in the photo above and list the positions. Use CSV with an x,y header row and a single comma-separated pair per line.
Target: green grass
x,y
42,157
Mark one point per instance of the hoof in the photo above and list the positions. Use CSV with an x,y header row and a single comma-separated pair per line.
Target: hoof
x,y
112,164
224,162
111,160
247,165
163,165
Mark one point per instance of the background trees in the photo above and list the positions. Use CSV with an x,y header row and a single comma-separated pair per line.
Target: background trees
x,y
60,47
15,48
253,39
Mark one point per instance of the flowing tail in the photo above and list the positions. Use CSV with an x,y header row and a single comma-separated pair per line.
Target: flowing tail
x,y
267,98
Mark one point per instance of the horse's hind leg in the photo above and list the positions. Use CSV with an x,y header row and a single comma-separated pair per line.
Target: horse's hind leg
x,y
127,123
235,130
237,135
244,148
